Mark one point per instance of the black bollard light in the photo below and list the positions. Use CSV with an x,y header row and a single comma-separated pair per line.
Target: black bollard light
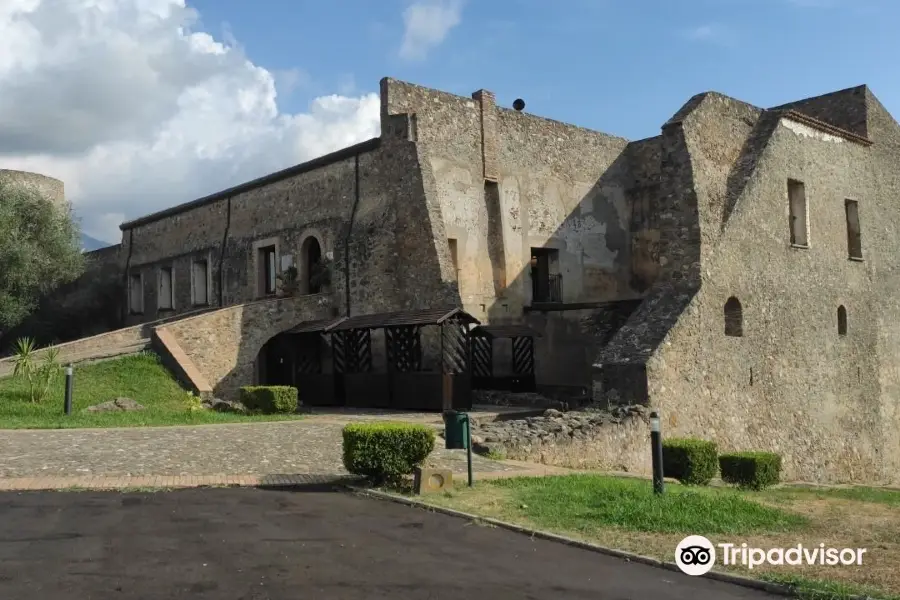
x,y
469,447
656,448
69,378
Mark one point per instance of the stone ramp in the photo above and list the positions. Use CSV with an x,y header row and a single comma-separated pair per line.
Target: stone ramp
x,y
114,344
103,346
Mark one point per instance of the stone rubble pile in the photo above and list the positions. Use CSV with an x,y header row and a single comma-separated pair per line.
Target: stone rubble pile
x,y
503,398
553,427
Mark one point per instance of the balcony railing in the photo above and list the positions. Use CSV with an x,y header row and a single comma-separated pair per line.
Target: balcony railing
x,y
547,289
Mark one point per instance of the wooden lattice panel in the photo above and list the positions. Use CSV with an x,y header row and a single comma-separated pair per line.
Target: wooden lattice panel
x,y
523,355
482,356
456,347
404,348
338,353
359,350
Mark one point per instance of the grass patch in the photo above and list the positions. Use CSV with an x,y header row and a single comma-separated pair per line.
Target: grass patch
x,y
585,502
140,377
623,513
859,494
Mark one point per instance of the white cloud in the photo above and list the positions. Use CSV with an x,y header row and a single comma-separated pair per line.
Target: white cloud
x,y
426,25
136,112
712,33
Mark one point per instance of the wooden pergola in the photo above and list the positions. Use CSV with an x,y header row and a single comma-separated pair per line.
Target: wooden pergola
x,y
406,384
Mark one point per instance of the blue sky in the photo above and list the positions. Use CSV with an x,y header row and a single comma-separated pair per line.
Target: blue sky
x,y
618,66
140,105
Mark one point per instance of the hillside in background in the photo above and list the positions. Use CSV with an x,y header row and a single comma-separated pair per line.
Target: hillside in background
x,y
88,243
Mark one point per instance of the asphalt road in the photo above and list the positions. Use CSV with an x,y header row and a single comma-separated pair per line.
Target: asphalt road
x,y
252,544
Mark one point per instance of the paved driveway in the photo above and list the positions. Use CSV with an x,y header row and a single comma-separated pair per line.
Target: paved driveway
x,y
311,446
252,544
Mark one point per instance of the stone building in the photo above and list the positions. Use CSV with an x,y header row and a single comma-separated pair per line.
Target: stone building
x,y
734,272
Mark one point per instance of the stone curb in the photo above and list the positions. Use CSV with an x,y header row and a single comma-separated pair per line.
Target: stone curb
x,y
100,483
772,588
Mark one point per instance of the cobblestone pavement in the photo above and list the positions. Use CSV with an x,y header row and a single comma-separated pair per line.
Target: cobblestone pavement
x,y
311,446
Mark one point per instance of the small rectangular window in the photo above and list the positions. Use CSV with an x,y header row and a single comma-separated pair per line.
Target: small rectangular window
x,y
799,214
268,270
199,283
454,255
546,282
165,298
136,294
854,235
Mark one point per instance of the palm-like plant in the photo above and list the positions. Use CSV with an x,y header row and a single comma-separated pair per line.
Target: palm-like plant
x,y
38,373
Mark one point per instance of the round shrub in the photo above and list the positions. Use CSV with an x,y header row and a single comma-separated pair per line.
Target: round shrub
x,y
690,461
751,470
270,399
385,452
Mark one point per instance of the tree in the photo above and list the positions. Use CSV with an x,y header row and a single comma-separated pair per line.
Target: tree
x,y
40,249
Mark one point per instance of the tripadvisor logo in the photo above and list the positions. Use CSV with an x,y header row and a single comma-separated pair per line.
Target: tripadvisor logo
x,y
696,555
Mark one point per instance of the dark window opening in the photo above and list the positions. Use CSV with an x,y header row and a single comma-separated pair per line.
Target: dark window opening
x,y
454,255
268,270
200,283
546,282
136,294
799,214
842,320
165,294
312,254
854,235
734,318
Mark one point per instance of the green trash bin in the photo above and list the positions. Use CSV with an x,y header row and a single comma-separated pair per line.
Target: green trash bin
x,y
455,434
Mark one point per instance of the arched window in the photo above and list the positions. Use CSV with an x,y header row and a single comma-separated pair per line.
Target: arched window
x,y
311,253
734,318
842,320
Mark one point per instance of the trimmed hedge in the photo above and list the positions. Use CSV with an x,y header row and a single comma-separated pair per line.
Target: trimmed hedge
x,y
385,452
270,399
690,461
751,470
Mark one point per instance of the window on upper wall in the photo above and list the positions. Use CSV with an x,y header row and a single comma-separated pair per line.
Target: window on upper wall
x,y
734,318
454,255
268,270
165,299
200,283
136,294
799,214
854,235
546,282
842,320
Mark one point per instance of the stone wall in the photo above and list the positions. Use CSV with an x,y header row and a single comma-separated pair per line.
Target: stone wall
x,y
508,181
90,305
106,345
880,248
791,383
287,210
51,187
223,345
618,440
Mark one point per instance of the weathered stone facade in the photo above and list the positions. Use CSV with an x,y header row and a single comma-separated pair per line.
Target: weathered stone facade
x,y
803,361
636,248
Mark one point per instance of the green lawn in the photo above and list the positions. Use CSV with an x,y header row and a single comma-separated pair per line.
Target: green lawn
x,y
623,513
140,377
